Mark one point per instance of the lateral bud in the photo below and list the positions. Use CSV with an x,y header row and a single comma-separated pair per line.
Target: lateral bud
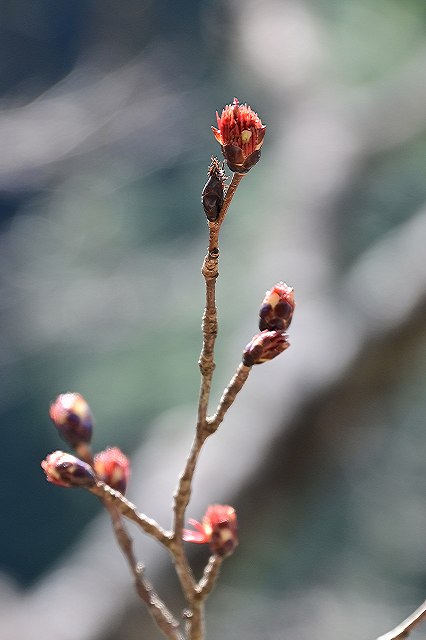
x,y
212,195
67,470
265,346
277,308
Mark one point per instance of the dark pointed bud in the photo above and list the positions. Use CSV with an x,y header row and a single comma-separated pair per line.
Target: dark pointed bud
x,y
67,470
240,133
277,308
265,346
218,529
113,468
212,195
73,419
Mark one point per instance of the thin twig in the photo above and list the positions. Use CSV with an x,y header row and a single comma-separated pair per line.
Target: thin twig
x,y
404,629
211,572
128,509
182,495
156,607
210,271
195,618
228,397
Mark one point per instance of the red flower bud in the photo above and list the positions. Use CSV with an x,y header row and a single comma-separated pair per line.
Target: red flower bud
x,y
240,134
264,346
277,308
72,417
218,528
212,193
67,470
113,468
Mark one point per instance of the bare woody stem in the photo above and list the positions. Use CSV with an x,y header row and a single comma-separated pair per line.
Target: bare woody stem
x,y
228,397
114,498
211,573
156,607
210,271
404,629
195,627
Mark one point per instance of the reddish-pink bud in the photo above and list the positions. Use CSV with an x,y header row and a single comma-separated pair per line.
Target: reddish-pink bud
x,y
113,468
218,528
277,308
72,417
265,346
240,133
67,470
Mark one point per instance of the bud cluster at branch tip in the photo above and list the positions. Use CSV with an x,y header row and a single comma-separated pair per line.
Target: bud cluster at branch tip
x,y
68,471
113,468
277,308
218,529
73,419
212,195
240,134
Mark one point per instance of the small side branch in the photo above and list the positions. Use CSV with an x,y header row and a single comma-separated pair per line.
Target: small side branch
x,y
128,509
211,573
404,629
228,397
156,607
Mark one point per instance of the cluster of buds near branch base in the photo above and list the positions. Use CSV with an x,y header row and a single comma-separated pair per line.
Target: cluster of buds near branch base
x,y
73,419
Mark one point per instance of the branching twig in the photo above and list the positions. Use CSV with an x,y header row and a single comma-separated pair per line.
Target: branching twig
x,y
210,271
158,610
240,135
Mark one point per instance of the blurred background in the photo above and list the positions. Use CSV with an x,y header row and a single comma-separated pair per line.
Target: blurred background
x,y
105,118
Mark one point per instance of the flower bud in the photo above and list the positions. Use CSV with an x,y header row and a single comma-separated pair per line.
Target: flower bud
x,y
113,468
67,470
218,528
277,308
265,346
212,193
72,417
240,133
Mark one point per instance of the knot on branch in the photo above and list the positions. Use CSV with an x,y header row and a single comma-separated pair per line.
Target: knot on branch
x,y
210,268
210,325
207,366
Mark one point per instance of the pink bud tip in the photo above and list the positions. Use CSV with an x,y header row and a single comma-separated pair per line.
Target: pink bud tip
x,y
113,468
277,308
218,528
265,346
72,417
240,133
67,470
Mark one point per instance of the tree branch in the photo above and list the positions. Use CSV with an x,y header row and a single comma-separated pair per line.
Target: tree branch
x,y
128,509
404,629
